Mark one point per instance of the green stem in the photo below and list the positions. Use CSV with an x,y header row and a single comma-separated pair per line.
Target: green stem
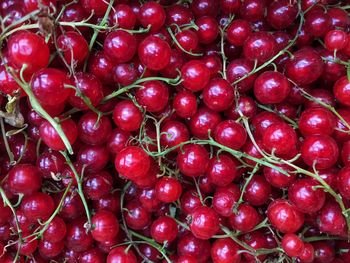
x,y
280,53
173,82
173,37
267,163
319,238
125,227
152,243
84,24
293,123
39,109
79,184
222,47
235,153
262,224
137,31
19,230
86,100
199,191
327,106
251,175
254,252
4,35
38,234
326,187
7,146
96,31
14,25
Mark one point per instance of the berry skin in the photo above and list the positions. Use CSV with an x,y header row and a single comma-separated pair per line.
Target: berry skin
x,y
317,121
195,75
303,195
152,14
168,189
28,48
344,182
127,116
52,139
49,86
99,7
185,104
245,219
238,32
153,96
271,87
292,245
132,162
204,222
218,95
281,14
154,53
341,90
174,133
164,229
279,138
222,170
74,46
336,40
123,16
193,160
305,67
284,216
90,86
93,131
8,84
120,46
260,46
231,134
24,179
56,231
182,123
105,226
121,254
330,219
319,150
37,206
225,250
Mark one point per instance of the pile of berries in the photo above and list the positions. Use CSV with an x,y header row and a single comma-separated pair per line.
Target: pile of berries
x,y
184,131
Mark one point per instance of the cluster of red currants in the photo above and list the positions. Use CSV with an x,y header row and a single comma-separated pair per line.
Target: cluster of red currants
x,y
188,131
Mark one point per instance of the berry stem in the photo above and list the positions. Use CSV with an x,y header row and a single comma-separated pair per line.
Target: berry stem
x,y
152,243
327,106
319,238
266,161
125,227
174,82
79,184
284,117
96,31
252,251
280,53
173,37
5,33
251,175
38,234
222,46
39,109
7,146
86,100
19,230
